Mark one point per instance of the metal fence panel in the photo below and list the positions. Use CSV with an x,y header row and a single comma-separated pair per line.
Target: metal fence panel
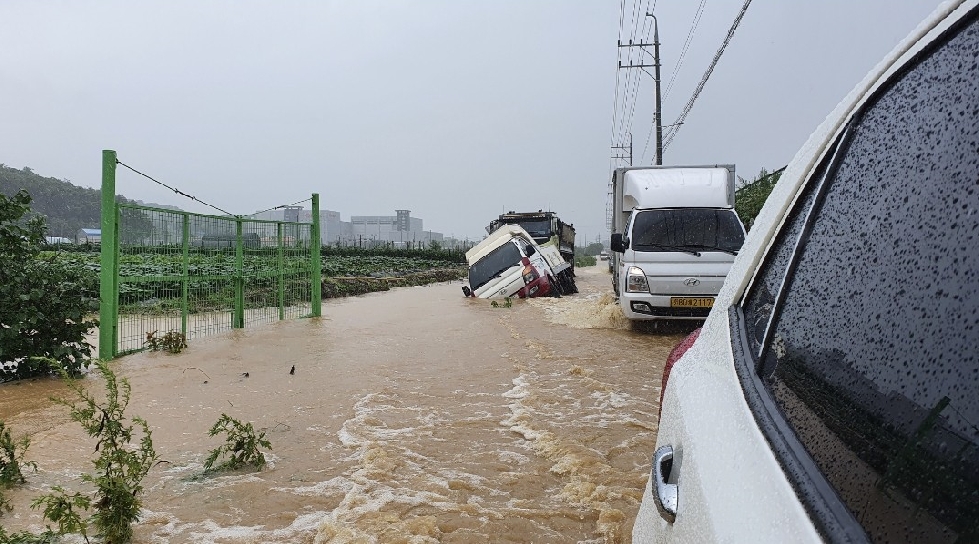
x,y
169,270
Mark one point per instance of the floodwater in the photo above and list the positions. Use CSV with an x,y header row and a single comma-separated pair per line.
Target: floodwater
x,y
414,415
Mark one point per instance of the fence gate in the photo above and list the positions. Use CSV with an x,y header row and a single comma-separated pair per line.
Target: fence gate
x,y
166,270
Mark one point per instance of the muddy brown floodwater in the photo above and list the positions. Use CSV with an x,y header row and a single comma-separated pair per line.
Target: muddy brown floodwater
x,y
414,415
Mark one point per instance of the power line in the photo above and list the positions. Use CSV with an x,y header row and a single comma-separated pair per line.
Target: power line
x,y
635,95
631,84
686,45
282,206
615,97
178,191
700,87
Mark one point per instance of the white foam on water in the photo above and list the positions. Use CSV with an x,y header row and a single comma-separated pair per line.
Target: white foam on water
x,y
593,311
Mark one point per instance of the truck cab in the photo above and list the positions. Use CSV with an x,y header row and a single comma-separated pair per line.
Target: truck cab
x,y
678,237
508,263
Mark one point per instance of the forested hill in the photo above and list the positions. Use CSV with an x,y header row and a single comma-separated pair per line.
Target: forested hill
x,y
66,207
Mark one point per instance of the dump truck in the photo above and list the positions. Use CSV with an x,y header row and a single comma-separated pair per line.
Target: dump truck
x,y
544,227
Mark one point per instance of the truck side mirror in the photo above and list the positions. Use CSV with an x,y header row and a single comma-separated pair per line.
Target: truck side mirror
x,y
619,245
531,251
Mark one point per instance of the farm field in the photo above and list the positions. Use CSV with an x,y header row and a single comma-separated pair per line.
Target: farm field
x,y
149,279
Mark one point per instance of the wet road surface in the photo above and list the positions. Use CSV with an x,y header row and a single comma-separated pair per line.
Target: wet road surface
x,y
414,415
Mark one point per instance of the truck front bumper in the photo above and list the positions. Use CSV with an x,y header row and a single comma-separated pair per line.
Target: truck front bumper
x,y
643,306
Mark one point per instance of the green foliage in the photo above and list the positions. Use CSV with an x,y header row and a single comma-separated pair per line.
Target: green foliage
x,y
241,445
11,463
507,302
584,260
42,308
47,537
120,466
65,510
749,199
593,249
205,292
172,342
65,208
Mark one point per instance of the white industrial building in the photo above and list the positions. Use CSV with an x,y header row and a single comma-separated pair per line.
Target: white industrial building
x,y
400,229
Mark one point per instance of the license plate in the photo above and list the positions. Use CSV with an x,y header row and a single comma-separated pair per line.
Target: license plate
x,y
692,302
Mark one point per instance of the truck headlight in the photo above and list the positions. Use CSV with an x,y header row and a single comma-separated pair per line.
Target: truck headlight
x,y
635,281
529,274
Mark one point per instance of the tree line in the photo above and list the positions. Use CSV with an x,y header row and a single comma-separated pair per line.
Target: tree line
x,y
65,207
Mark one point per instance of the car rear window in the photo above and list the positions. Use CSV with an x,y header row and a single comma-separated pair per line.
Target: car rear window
x,y
864,321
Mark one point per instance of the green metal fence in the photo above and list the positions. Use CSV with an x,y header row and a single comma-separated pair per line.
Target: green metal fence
x,y
169,270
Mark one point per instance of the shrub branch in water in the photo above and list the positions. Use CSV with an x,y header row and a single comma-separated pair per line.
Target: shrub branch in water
x,y
119,468
11,463
241,445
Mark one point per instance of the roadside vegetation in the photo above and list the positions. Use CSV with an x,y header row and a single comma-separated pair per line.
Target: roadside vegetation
x,y
43,308
749,199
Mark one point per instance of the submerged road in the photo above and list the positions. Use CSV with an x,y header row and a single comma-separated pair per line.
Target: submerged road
x,y
414,415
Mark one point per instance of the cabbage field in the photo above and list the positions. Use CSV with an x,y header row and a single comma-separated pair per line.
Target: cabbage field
x,y
345,272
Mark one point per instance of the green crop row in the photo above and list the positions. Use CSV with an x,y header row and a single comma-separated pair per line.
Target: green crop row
x,y
210,275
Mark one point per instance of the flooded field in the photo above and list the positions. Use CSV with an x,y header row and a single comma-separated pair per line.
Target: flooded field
x,y
414,415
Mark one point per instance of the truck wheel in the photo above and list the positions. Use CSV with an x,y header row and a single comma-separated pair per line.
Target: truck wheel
x,y
568,286
555,287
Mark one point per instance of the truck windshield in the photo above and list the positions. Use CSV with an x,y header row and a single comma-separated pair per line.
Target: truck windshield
x,y
537,229
701,229
493,264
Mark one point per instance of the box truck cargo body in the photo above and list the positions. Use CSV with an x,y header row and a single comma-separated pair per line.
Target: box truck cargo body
x,y
674,236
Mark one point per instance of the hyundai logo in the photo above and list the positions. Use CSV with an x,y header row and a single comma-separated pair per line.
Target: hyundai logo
x,y
691,282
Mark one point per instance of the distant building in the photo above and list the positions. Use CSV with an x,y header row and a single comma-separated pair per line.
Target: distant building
x,y
88,236
56,240
400,229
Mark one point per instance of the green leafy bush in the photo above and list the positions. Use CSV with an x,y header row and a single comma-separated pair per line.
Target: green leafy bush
x,y
42,307
749,199
171,342
240,446
119,468
11,463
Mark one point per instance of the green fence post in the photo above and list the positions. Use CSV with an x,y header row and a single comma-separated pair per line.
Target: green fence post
x,y
317,275
279,267
186,280
238,320
108,301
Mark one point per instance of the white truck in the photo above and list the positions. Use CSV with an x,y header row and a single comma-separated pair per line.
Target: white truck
x,y
674,236
509,263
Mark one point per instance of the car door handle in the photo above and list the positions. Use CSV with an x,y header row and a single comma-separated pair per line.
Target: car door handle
x,y
667,494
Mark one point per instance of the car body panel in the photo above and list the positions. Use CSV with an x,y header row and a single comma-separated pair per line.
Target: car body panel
x,y
731,486
705,418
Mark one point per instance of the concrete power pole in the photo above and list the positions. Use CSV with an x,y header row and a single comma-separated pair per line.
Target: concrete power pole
x,y
658,114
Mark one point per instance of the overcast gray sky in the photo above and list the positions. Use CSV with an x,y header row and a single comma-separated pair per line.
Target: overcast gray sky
x,y
455,109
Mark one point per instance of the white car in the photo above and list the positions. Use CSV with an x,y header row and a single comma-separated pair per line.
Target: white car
x,y
832,395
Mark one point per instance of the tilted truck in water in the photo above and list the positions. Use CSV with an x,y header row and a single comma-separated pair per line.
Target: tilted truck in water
x,y
544,227
509,263
547,230
674,236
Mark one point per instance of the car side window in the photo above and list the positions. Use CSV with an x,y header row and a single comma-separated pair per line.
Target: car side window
x,y
864,320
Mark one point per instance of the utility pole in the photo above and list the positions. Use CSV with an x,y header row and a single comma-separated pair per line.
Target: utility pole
x,y
657,115
659,104
623,149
